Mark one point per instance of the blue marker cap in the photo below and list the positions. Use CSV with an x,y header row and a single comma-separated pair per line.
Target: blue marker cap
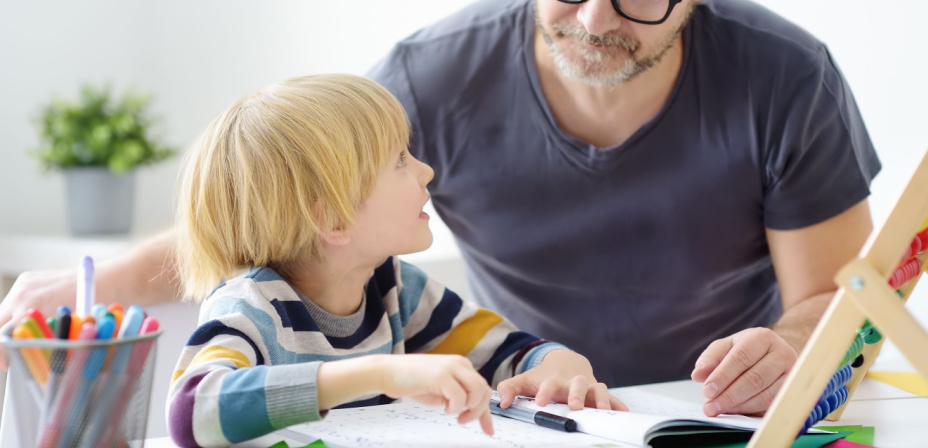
x,y
132,321
98,311
106,327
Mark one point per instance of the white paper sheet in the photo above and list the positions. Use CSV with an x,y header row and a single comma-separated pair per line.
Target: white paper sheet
x,y
410,424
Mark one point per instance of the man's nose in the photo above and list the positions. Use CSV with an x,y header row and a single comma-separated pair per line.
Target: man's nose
x,y
598,17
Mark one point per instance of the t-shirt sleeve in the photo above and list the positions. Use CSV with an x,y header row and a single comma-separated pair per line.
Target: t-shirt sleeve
x,y
820,159
392,72
224,391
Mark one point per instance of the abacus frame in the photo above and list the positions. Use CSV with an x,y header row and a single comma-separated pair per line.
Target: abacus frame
x,y
863,294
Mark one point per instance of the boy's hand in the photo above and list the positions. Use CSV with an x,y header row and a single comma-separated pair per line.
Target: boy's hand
x,y
448,380
563,376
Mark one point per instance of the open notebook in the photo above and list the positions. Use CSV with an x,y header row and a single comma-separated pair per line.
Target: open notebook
x,y
656,420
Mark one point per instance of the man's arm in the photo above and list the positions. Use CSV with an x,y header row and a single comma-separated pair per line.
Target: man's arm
x,y
142,276
743,372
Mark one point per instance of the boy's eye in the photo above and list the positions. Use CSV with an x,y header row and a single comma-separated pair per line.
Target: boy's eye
x,y
402,161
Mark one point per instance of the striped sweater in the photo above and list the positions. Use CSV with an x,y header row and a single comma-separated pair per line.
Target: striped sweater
x,y
250,366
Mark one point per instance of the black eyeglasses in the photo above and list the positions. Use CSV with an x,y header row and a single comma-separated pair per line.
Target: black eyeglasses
x,y
648,12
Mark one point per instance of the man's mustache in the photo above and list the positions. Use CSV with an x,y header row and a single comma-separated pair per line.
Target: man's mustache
x,y
606,40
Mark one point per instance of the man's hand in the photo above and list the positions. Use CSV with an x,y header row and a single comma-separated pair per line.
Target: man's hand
x,y
564,377
43,290
743,372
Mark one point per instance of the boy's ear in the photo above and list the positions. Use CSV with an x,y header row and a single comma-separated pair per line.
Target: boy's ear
x,y
336,237
338,234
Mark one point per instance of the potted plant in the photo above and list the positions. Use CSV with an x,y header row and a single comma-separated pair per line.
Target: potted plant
x,y
97,142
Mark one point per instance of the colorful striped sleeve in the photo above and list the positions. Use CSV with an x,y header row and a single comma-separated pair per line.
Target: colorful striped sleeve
x,y
436,320
224,391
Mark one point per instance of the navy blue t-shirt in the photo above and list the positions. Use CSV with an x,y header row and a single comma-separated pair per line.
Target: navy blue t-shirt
x,y
640,255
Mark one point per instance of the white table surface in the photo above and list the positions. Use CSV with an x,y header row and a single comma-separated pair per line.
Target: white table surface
x,y
900,419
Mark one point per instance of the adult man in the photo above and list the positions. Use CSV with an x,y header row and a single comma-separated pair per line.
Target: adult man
x,y
638,179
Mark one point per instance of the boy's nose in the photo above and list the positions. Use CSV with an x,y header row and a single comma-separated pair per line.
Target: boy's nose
x,y
427,173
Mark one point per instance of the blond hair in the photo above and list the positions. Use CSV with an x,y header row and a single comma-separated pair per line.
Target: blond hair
x,y
276,169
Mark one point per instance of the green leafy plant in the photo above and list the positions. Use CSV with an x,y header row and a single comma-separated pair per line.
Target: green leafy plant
x,y
99,130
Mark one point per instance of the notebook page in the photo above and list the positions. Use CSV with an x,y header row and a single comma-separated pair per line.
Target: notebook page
x,y
646,402
647,410
410,424
643,401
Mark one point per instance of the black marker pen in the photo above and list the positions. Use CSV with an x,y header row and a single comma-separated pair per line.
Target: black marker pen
x,y
539,418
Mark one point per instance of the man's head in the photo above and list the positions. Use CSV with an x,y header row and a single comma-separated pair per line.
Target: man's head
x,y
275,171
590,40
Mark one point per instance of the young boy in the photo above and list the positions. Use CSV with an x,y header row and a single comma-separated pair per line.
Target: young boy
x,y
307,184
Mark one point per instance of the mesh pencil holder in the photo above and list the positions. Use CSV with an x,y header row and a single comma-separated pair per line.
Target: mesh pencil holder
x,y
80,393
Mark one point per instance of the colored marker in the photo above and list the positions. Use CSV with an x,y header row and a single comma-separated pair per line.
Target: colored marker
x,y
118,315
97,311
76,324
35,332
108,316
40,322
540,418
35,361
115,307
34,329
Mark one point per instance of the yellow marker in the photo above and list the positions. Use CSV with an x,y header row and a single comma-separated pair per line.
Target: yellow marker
x,y
36,363
33,327
35,333
117,314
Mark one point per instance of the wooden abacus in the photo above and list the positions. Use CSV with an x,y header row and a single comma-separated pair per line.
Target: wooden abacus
x,y
865,296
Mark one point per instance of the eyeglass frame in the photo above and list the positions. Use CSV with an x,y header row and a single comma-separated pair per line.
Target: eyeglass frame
x,y
618,9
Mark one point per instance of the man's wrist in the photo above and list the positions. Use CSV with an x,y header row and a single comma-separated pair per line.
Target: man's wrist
x,y
790,336
797,324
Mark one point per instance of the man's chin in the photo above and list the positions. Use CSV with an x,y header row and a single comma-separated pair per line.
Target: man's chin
x,y
608,65
598,76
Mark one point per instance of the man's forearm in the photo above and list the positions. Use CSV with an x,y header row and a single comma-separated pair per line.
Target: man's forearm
x,y
797,323
145,275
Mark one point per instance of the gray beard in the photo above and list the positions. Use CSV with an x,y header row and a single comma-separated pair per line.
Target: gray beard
x,y
591,58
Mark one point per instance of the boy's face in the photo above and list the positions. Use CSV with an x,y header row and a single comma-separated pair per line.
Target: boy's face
x,y
391,221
